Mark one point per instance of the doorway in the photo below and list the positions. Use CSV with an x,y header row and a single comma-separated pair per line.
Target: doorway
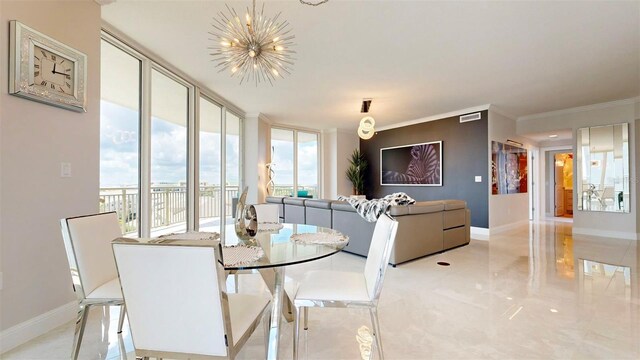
x,y
563,185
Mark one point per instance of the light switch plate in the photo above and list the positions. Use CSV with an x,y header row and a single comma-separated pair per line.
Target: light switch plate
x,y
478,178
65,169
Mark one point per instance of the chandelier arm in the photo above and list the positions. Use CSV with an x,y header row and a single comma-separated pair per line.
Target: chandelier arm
x,y
313,4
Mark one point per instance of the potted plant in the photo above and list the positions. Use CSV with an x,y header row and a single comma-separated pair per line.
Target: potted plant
x,y
355,172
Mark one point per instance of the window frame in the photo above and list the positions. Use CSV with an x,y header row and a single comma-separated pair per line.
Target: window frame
x,y
295,131
148,63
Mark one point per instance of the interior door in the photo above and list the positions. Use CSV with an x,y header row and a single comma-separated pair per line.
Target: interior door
x,y
559,186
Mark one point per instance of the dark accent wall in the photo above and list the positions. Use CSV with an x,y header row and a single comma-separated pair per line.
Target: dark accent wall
x,y
465,155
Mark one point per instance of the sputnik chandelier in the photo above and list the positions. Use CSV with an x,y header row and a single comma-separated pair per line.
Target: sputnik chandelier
x,y
256,48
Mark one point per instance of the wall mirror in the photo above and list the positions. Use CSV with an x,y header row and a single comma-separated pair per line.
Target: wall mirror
x,y
603,168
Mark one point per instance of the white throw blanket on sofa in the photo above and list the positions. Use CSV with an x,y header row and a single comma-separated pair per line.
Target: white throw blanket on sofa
x,y
370,210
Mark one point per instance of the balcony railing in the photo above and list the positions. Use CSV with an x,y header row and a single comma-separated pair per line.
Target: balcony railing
x,y
287,190
169,203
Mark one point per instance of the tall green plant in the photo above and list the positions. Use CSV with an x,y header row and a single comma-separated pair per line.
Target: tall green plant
x,y
356,171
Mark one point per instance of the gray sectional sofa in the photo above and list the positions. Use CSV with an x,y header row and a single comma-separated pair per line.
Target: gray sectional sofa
x,y
425,228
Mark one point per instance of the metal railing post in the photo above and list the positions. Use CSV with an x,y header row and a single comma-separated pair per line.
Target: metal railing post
x,y
166,207
123,215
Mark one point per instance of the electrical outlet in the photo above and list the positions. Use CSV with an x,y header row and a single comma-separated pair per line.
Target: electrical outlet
x,y
478,178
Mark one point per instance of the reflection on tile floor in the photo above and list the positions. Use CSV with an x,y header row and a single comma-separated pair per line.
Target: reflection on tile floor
x,y
535,292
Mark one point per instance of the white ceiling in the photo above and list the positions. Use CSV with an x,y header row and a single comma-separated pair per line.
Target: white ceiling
x,y
414,58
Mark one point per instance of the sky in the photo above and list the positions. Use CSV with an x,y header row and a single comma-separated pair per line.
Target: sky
x,y
119,153
282,162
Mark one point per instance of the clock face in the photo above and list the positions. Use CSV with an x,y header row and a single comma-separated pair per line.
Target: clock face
x,y
53,71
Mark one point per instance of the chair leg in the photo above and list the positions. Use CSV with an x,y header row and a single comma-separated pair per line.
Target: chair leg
x,y
123,311
306,318
81,322
266,322
376,332
121,347
296,333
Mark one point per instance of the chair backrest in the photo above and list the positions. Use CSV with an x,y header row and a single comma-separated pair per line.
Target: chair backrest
x,y
267,213
384,236
608,192
174,298
87,240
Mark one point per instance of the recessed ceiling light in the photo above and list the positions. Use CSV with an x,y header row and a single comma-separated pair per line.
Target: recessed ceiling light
x,y
553,310
553,136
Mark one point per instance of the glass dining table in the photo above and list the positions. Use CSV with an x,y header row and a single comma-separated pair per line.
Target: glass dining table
x,y
280,251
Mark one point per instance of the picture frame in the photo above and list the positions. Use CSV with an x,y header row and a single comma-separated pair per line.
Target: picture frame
x,y
29,52
412,165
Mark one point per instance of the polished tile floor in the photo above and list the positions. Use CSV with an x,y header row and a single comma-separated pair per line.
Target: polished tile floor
x,y
532,293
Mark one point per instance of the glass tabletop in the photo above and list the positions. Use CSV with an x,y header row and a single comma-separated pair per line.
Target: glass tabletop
x,y
278,247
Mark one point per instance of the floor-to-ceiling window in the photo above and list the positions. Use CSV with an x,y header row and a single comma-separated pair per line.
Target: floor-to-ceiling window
x,y
169,131
156,172
119,136
295,161
307,164
233,171
211,197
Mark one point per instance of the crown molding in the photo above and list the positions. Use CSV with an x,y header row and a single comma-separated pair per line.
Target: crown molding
x,y
604,105
104,2
435,117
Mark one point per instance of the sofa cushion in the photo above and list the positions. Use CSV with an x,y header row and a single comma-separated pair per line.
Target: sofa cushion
x,y
275,199
342,206
454,218
454,204
399,210
318,203
425,207
294,201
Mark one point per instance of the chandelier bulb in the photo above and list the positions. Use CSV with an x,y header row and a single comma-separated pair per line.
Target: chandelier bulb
x,y
275,72
252,53
234,69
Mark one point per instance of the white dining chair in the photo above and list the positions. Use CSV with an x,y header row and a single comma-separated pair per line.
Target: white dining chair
x,y
177,303
267,213
343,289
87,240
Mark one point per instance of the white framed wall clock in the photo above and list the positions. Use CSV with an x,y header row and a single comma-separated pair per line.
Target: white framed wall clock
x,y
46,70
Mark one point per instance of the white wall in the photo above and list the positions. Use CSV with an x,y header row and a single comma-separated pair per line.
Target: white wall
x,y
329,160
338,144
34,140
506,210
257,141
586,222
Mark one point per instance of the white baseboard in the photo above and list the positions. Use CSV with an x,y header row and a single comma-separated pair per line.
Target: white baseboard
x,y
478,233
607,233
502,228
39,325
